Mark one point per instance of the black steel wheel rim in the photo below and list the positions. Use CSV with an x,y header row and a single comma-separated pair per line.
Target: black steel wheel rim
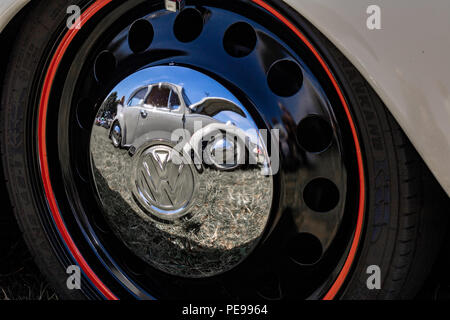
x,y
283,88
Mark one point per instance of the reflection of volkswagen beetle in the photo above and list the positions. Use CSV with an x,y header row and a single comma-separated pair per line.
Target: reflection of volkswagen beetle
x,y
156,111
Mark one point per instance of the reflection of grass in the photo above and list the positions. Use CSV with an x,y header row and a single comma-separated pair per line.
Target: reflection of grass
x,y
224,224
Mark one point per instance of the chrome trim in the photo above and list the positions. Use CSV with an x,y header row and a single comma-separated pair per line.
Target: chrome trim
x,y
184,190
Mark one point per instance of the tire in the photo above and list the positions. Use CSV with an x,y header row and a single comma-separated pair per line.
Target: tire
x,y
403,226
13,144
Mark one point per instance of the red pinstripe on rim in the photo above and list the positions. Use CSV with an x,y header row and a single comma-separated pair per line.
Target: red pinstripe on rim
x,y
42,148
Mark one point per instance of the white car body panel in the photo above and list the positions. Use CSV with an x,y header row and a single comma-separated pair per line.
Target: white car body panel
x,y
406,62
8,9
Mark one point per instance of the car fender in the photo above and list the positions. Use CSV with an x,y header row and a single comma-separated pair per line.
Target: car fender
x,y
9,9
406,62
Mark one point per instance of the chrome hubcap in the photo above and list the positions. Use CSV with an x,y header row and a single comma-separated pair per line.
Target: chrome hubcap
x,y
188,190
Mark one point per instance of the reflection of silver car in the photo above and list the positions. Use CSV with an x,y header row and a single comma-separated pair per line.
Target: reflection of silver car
x,y
157,111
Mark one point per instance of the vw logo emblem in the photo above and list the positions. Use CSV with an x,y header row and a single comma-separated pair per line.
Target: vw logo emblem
x,y
164,182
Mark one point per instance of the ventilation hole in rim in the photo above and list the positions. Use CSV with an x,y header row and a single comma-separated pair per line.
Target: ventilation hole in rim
x,y
321,195
140,35
239,40
285,78
188,25
304,249
105,63
314,134
85,114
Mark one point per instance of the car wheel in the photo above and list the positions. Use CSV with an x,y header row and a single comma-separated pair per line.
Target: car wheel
x,y
224,152
116,135
349,192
